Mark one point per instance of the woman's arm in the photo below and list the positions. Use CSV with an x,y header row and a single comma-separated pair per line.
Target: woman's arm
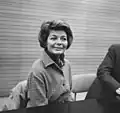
x,y
36,90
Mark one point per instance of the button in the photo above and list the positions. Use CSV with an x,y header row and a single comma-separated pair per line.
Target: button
x,y
62,81
63,84
53,90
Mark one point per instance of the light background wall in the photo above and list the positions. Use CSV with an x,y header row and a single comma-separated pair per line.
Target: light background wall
x,y
95,25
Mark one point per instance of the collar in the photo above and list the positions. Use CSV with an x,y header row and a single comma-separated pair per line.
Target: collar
x,y
46,59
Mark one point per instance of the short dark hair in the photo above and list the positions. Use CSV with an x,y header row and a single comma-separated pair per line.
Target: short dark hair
x,y
47,26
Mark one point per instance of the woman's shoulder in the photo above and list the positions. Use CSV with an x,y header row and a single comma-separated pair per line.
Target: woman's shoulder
x,y
67,62
38,65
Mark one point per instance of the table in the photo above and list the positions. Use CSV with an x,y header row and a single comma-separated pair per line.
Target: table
x,y
84,106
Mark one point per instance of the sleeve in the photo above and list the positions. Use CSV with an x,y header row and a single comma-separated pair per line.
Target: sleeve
x,y
36,90
105,69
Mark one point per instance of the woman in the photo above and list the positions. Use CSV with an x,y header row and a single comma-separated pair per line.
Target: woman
x,y
49,80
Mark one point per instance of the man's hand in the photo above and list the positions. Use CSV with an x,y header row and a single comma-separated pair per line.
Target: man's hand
x,y
118,91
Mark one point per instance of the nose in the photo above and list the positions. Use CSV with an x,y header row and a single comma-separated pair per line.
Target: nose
x,y
59,42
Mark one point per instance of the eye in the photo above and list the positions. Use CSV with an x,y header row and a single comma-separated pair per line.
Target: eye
x,y
53,38
63,38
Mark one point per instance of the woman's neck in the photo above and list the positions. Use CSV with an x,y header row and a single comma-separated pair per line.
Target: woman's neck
x,y
56,58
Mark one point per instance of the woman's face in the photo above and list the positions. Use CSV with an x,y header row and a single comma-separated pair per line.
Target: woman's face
x,y
57,42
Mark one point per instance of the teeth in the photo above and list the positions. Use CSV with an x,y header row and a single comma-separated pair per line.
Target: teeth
x,y
58,47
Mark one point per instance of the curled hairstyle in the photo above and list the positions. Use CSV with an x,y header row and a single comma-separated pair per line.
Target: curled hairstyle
x,y
46,27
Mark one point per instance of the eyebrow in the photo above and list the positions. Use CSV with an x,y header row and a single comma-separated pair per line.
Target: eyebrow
x,y
61,36
54,35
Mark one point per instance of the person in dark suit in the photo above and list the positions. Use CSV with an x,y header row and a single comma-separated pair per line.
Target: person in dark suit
x,y
107,83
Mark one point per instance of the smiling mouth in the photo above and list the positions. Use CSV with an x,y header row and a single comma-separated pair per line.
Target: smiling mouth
x,y
58,48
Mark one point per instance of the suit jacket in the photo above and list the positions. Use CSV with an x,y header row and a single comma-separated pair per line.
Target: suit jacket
x,y
108,76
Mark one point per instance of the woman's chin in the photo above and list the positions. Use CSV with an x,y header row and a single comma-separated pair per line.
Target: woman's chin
x,y
57,52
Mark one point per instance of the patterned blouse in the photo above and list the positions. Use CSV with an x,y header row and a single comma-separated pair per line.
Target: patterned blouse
x,y
48,83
